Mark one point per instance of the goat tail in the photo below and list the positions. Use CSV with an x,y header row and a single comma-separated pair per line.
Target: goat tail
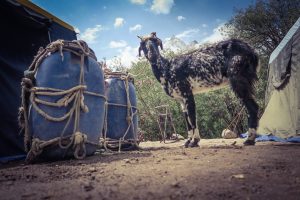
x,y
242,67
256,63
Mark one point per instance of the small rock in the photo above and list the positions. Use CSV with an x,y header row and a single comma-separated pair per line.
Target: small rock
x,y
126,160
175,184
47,197
238,176
92,169
88,187
9,183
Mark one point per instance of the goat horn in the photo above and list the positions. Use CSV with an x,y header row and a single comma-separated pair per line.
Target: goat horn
x,y
160,43
140,37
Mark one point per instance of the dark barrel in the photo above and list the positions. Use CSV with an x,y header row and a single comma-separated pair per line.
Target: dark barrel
x,y
122,120
67,103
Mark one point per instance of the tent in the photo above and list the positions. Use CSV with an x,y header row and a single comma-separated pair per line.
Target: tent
x,y
282,114
24,28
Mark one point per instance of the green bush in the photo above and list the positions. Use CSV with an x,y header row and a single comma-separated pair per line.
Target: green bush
x,y
215,109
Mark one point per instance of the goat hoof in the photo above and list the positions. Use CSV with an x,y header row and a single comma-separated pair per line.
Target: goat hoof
x,y
187,143
195,143
249,142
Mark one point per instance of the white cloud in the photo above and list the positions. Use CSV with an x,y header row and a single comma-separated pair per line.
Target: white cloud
x,y
162,6
90,34
139,2
215,36
117,44
187,33
126,56
119,21
180,18
137,27
204,25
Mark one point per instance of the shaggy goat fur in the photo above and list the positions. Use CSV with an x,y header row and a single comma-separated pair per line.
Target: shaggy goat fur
x,y
228,62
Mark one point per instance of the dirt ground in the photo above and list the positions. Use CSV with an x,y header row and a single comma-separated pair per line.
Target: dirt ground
x,y
216,170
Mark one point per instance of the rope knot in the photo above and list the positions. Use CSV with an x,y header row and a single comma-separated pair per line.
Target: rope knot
x,y
79,138
129,119
26,84
57,45
84,107
79,144
35,147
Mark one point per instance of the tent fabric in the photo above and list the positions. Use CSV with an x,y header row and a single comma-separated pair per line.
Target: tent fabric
x,y
282,113
280,61
273,138
279,117
23,31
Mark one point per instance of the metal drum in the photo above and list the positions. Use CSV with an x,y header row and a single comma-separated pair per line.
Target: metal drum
x,y
122,120
63,101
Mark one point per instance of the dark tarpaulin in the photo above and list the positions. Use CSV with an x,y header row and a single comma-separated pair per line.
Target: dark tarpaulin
x,y
23,31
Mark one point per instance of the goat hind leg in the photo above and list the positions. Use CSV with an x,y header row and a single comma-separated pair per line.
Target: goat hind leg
x,y
244,90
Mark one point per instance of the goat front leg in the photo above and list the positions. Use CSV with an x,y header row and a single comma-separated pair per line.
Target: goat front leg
x,y
189,111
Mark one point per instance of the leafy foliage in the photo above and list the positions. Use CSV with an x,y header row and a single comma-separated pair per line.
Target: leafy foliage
x,y
215,110
263,25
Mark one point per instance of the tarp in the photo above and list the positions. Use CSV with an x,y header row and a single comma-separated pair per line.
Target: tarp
x,y
273,138
24,28
282,113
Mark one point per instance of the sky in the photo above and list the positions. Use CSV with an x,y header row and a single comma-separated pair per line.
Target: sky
x,y
110,27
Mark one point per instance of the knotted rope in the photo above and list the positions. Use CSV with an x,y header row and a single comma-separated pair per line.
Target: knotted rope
x,y
112,143
73,96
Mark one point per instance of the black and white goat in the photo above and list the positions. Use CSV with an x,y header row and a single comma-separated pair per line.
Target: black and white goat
x,y
228,62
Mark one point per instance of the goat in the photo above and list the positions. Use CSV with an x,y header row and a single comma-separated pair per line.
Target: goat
x,y
231,62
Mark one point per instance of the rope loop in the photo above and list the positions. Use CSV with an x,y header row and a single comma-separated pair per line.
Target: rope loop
x,y
79,145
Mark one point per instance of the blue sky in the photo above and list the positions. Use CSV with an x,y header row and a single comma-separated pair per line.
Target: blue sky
x,y
110,26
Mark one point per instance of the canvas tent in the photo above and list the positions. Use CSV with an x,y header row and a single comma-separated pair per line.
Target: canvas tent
x,y
24,28
282,114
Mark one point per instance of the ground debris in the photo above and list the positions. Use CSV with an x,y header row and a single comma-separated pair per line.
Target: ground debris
x,y
238,176
192,173
175,184
92,169
88,187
